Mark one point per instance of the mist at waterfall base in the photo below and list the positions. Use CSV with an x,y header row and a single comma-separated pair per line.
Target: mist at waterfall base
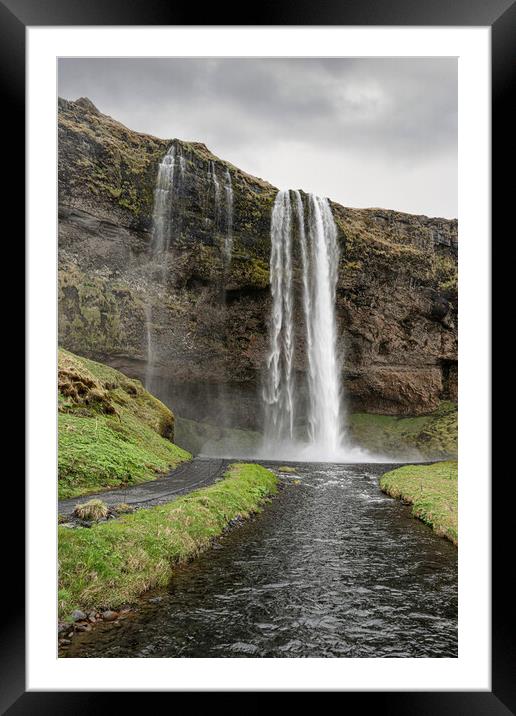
x,y
303,410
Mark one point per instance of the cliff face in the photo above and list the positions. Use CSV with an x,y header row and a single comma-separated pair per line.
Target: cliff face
x,y
396,297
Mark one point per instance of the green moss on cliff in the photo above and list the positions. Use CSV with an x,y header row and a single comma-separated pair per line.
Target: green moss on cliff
x,y
433,436
111,431
399,243
116,163
97,314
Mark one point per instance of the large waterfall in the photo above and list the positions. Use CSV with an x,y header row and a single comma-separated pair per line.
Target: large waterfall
x,y
311,427
278,390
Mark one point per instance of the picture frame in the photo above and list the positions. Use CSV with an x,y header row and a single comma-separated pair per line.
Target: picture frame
x,y
500,15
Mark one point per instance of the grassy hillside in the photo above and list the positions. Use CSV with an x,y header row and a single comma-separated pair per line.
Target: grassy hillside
x,y
111,431
113,562
433,436
432,492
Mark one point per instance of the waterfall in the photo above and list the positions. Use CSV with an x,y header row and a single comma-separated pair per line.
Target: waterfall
x,y
228,240
317,238
162,203
278,389
223,219
324,417
216,189
168,184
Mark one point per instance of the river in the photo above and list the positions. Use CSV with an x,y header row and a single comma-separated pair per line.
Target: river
x,y
331,568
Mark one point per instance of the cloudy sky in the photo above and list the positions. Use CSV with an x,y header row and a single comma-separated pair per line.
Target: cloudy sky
x,y
364,132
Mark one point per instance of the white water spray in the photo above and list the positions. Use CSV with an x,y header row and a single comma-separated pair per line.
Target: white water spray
x,y
216,189
168,181
324,416
316,233
278,389
228,239
223,210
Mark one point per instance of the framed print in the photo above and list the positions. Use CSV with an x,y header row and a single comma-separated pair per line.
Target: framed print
x,y
258,284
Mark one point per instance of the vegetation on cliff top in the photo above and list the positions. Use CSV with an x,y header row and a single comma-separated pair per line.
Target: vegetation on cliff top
x,y
433,436
113,562
432,492
111,432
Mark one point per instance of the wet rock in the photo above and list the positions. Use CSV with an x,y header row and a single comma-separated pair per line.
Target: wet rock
x,y
396,298
83,626
109,616
78,616
155,600
64,642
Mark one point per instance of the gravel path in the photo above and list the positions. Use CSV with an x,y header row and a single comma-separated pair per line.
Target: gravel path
x,y
185,478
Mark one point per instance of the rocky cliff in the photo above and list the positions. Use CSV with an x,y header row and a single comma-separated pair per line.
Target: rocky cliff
x,y
396,297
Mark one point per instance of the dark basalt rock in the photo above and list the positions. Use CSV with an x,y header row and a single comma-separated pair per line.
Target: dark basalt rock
x,y
396,294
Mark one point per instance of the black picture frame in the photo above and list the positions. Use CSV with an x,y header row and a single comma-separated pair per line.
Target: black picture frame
x,y
500,15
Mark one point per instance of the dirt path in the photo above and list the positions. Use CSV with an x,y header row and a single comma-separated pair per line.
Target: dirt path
x,y
185,478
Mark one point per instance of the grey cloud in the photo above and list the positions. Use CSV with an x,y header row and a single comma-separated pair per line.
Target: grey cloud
x,y
380,118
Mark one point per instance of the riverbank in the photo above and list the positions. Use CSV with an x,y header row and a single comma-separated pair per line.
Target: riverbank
x,y
112,563
432,492
320,573
112,432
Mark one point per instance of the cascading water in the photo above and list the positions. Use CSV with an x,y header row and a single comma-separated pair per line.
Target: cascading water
x,y
216,189
278,389
162,203
228,239
223,219
168,182
324,416
316,233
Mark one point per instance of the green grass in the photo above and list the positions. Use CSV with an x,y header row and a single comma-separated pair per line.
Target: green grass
x,y
111,432
432,492
113,562
433,436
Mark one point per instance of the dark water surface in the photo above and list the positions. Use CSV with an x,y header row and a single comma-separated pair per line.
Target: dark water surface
x,y
331,568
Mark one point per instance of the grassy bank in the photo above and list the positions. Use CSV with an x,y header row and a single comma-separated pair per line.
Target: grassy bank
x,y
433,436
432,492
113,562
111,431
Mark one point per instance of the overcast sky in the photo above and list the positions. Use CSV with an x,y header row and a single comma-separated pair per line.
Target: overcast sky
x,y
378,132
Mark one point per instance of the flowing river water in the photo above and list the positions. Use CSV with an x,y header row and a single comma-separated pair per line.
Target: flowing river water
x,y
331,568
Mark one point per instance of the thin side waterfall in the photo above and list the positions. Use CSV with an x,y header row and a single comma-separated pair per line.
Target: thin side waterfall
x,y
169,180
316,233
228,240
216,189
161,213
223,215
